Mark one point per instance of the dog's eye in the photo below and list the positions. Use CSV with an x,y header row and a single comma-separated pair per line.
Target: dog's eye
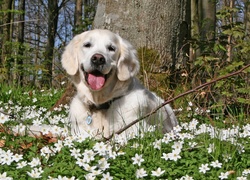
x,y
111,48
87,45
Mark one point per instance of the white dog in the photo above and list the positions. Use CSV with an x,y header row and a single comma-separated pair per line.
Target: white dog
x,y
103,67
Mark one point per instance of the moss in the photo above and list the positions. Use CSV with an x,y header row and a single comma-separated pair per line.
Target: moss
x,y
149,59
150,72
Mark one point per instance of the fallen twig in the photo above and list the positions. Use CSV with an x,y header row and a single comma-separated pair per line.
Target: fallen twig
x,y
177,97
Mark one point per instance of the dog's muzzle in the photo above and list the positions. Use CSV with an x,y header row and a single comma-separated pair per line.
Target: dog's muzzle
x,y
95,78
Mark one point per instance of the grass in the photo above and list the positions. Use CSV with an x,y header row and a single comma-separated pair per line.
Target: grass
x,y
194,150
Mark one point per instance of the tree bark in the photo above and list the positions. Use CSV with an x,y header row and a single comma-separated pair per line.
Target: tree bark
x,y
160,25
6,35
78,17
53,12
20,40
203,23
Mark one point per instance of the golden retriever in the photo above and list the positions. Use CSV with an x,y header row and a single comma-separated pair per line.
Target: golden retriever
x,y
103,67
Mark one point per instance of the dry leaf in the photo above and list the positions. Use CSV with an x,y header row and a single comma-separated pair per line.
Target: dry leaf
x,y
26,146
2,143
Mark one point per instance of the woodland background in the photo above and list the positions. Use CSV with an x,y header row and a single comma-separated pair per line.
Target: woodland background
x,y
181,44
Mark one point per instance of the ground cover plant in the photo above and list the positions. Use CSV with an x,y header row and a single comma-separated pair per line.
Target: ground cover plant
x,y
196,149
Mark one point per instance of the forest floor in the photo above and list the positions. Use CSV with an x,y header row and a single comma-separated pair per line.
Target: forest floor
x,y
195,149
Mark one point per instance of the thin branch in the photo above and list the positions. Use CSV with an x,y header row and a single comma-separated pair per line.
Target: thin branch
x,y
177,97
16,22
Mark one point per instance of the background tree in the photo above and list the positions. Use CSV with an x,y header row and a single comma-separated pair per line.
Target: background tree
x,y
6,36
156,28
53,13
20,40
78,17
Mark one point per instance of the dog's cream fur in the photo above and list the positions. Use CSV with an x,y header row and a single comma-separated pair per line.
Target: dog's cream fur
x,y
122,99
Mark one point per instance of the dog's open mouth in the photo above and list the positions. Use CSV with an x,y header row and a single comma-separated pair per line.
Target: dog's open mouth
x,y
96,80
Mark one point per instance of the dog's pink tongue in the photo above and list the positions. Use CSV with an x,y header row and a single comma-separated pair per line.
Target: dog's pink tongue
x,y
96,82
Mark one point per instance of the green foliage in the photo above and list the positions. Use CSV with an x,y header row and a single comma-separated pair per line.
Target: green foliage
x,y
226,54
28,95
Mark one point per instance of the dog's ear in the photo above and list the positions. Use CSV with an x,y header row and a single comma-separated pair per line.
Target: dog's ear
x,y
128,64
69,56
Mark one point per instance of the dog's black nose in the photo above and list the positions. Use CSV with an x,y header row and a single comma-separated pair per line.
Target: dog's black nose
x,y
98,59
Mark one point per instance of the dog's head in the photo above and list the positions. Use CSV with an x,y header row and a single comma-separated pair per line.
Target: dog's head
x,y
98,54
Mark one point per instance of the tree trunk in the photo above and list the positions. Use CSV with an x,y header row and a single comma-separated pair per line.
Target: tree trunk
x,y
158,25
78,17
21,42
203,24
53,12
247,17
6,37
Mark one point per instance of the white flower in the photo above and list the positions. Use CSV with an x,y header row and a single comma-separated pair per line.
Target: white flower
x,y
56,130
64,131
103,164
21,164
4,176
226,157
80,162
174,155
177,146
190,104
204,168
192,144
100,148
35,162
17,157
165,156
137,159
193,124
216,164
45,130
68,142
246,172
37,122
186,178
45,151
58,145
75,153
211,148
96,172
3,118
35,173
157,144
223,175
177,128
89,168
59,177
82,137
166,139
158,172
106,176
6,157
135,145
89,177
88,155
241,178
34,100
140,173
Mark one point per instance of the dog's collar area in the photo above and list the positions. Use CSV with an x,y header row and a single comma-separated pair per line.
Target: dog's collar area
x,y
104,106
92,108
